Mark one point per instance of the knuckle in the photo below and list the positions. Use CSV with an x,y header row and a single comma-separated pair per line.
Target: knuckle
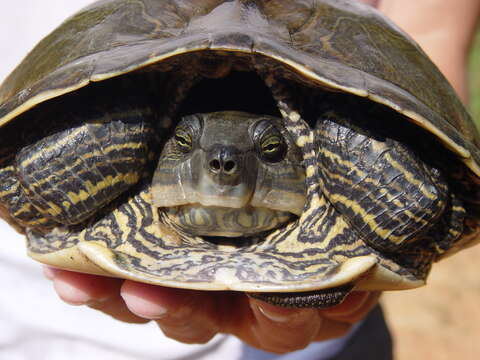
x,y
280,342
188,336
282,347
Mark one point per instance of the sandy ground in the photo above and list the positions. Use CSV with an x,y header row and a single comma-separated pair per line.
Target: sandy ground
x,y
441,320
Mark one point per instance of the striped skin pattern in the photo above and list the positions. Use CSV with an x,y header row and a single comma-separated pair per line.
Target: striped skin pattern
x,y
20,210
139,242
316,206
143,242
66,177
80,184
388,195
149,248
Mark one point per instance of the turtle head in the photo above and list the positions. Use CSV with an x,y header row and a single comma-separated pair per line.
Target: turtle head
x,y
230,174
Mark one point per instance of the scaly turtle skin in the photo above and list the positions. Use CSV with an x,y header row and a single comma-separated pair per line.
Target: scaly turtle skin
x,y
389,154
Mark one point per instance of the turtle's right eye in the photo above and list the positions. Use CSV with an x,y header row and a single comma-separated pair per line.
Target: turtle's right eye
x,y
183,140
273,147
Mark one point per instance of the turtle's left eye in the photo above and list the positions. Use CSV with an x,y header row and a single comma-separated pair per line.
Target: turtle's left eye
x,y
273,148
183,139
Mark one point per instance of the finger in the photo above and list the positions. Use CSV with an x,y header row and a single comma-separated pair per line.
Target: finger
x,y
116,308
282,330
332,329
184,315
339,319
290,330
80,289
98,292
196,316
48,272
354,308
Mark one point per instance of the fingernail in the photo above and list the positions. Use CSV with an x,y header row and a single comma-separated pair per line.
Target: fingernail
x,y
274,313
144,308
49,272
71,295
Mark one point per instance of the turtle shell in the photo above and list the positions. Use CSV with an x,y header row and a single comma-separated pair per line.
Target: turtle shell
x,y
344,49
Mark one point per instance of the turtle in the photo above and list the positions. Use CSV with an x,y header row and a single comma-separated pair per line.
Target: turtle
x,y
292,150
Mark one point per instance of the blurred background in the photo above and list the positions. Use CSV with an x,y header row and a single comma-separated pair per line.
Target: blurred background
x,y
474,79
439,321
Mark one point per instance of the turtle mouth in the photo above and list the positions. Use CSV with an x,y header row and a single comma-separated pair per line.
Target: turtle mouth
x,y
217,221
225,242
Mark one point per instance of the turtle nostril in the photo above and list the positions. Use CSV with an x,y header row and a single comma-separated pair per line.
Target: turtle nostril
x,y
215,165
229,166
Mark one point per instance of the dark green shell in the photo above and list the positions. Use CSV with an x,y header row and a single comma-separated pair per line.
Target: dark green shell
x,y
339,45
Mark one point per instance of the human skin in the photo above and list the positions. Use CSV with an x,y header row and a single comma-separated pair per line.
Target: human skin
x,y
444,28
196,316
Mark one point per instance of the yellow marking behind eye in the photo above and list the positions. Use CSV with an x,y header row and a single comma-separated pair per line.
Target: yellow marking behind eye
x,y
183,138
302,140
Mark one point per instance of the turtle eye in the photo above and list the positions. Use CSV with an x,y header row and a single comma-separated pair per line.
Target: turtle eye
x,y
273,148
183,140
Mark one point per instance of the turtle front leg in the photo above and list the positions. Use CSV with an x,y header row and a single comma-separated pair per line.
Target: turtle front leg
x,y
14,204
66,177
390,196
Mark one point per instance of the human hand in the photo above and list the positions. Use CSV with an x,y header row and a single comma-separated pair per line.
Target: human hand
x,y
196,316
